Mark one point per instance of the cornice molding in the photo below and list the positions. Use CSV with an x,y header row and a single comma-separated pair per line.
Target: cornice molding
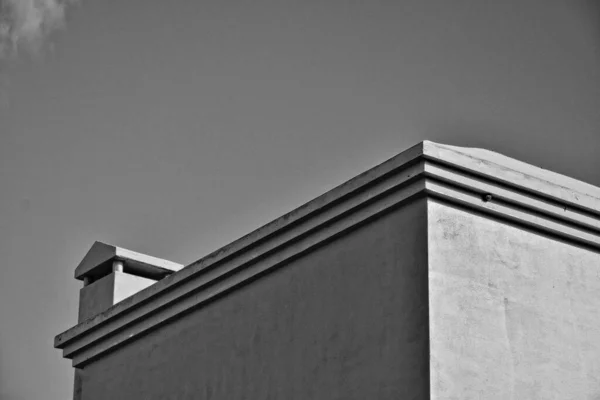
x,y
525,194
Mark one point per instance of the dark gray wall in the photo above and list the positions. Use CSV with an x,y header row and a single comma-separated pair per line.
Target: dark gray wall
x,y
346,321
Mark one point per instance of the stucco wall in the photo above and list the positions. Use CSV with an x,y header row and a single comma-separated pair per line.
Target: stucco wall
x,y
346,321
514,313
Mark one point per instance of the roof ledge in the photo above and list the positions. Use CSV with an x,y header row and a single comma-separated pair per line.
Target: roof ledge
x,y
480,180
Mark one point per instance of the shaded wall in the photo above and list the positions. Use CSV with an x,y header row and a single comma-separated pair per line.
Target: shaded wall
x,y
514,313
346,321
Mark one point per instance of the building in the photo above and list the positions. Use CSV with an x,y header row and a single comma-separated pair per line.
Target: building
x,y
443,273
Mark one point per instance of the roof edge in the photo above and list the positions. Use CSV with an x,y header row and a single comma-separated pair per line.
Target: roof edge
x,y
509,171
444,172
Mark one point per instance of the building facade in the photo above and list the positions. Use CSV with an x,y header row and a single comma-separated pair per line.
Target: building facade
x,y
443,273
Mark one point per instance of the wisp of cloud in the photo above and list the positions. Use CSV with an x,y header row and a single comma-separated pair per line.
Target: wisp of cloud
x,y
25,24
24,27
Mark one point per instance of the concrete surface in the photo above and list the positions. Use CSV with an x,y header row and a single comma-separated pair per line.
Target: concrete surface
x,y
513,312
345,321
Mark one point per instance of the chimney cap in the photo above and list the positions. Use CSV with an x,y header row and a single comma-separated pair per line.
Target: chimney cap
x,y
98,263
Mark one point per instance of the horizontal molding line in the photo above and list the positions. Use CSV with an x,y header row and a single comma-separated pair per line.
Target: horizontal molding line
x,y
93,346
377,190
520,179
516,214
271,246
386,176
515,195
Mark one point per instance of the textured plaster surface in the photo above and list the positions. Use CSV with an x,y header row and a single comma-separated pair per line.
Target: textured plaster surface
x,y
345,321
514,313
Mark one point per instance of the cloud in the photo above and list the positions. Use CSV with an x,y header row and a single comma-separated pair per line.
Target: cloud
x,y
25,24
24,29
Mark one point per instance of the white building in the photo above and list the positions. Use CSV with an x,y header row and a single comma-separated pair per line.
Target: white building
x,y
443,273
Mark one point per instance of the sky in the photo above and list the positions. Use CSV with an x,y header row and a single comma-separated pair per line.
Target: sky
x,y
172,128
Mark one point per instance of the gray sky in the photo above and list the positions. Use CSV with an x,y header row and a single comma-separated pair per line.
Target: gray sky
x,y
174,127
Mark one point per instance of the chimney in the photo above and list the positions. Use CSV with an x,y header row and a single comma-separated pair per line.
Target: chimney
x,y
110,274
